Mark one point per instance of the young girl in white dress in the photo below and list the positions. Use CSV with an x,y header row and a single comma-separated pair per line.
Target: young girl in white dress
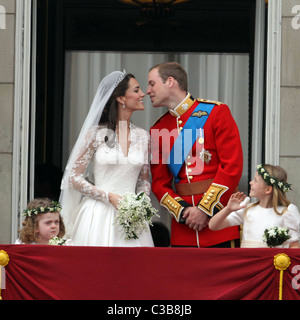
x,y
109,159
42,222
272,209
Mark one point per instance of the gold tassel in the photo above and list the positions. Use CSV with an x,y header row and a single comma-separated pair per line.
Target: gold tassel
x,y
4,259
281,263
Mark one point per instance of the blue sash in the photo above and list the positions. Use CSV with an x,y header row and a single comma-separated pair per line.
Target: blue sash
x,y
187,137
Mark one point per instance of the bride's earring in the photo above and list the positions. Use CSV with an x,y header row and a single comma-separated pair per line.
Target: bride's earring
x,y
124,106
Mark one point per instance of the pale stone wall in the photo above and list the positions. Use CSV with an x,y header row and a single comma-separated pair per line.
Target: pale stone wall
x,y
7,60
290,98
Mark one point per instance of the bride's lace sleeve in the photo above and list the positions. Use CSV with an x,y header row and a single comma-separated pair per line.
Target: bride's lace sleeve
x,y
77,180
143,183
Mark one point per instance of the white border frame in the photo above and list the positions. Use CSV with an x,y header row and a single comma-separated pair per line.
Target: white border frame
x,y
258,86
21,112
33,96
273,82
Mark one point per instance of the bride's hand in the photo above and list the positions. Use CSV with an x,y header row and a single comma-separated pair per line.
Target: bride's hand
x,y
114,199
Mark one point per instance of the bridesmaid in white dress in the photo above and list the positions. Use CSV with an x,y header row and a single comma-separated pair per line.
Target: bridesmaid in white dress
x,y
115,153
272,209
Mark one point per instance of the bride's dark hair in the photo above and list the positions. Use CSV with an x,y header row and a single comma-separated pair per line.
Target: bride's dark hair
x,y
110,112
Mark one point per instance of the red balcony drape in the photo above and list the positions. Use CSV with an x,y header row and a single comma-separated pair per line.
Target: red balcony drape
x,y
72,273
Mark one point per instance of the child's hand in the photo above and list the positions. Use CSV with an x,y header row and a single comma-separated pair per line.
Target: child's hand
x,y
234,202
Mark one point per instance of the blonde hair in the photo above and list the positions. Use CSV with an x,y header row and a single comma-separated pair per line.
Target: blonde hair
x,y
28,233
278,196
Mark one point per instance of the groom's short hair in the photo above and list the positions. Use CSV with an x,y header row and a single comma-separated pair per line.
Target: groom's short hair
x,y
175,70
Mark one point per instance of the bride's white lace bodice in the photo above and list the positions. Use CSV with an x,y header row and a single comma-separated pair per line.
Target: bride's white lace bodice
x,y
112,170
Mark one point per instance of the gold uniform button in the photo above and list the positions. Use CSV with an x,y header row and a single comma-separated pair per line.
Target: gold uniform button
x,y
180,121
191,177
188,164
206,201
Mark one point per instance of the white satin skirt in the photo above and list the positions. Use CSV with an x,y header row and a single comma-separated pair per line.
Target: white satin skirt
x,y
94,226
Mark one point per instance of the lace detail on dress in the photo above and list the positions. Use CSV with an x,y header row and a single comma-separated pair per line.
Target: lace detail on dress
x,y
140,141
77,179
143,183
113,171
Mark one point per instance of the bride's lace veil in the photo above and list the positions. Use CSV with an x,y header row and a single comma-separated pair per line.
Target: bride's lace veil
x,y
70,198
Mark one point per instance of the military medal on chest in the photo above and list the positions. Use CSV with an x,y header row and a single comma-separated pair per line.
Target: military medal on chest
x,y
205,156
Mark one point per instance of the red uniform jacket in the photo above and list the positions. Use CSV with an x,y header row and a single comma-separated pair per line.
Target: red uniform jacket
x,y
216,160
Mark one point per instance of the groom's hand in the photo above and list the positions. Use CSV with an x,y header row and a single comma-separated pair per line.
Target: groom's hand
x,y
195,218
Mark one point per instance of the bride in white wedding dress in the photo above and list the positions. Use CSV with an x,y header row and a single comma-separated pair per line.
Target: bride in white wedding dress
x,y
115,153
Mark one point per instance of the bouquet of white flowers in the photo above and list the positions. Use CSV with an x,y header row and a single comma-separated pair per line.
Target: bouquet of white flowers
x,y
276,236
135,212
56,241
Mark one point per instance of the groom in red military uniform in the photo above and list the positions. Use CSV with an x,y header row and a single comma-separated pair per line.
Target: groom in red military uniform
x,y
197,158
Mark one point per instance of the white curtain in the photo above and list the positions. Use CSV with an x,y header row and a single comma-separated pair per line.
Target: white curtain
x,y
222,77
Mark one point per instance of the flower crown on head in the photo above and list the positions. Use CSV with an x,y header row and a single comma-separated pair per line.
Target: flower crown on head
x,y
272,181
56,207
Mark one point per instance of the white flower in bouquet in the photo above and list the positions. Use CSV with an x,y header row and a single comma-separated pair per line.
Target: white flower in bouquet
x,y
276,236
135,213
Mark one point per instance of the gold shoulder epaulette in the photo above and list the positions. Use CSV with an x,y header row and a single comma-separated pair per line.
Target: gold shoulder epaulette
x,y
160,118
210,101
